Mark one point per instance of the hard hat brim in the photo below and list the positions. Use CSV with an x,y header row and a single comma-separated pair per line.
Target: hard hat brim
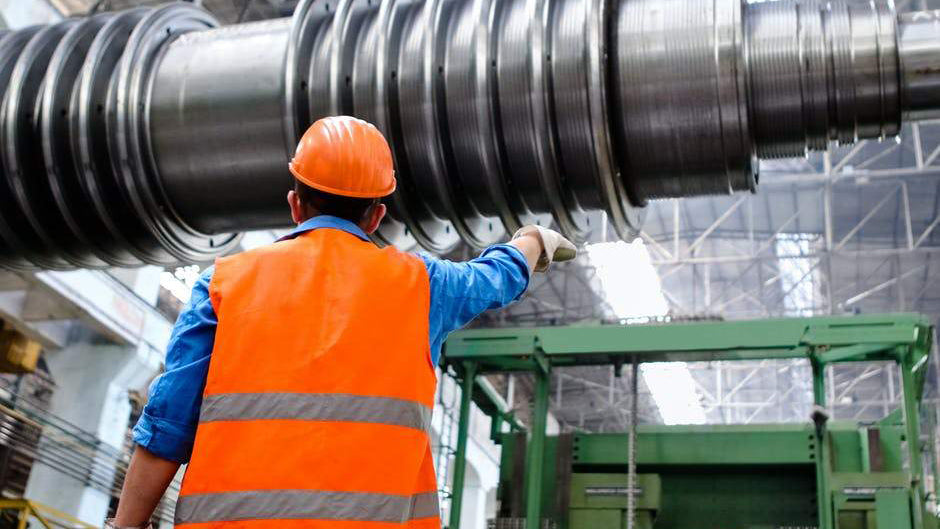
x,y
343,192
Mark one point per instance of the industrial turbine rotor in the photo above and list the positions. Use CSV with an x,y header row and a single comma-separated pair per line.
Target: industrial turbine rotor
x,y
154,136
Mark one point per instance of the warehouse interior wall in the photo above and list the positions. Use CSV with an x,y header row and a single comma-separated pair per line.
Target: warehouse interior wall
x,y
92,385
473,513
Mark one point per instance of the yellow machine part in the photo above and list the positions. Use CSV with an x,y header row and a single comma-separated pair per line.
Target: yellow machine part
x,y
18,354
28,511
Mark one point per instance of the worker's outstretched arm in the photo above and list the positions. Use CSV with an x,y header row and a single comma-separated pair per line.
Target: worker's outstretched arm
x,y
499,276
147,479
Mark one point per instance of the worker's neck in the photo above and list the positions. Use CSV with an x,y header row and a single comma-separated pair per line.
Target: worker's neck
x,y
318,214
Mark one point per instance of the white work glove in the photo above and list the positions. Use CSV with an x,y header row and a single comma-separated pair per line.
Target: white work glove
x,y
554,246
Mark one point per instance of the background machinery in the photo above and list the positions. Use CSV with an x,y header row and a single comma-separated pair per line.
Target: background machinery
x,y
821,473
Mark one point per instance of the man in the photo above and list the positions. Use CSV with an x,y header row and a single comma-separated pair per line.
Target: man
x,y
315,407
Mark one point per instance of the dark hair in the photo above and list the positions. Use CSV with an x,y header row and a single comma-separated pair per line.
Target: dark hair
x,y
351,209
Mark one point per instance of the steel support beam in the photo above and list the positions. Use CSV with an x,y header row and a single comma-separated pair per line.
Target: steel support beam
x,y
535,451
823,467
467,383
911,395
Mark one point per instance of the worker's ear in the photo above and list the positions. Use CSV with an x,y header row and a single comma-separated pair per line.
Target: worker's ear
x,y
375,216
296,208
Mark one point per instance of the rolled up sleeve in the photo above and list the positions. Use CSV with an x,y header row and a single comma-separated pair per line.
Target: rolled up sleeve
x,y
167,426
462,291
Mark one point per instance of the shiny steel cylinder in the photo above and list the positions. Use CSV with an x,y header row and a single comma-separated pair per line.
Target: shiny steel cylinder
x,y
705,88
152,136
820,72
217,131
919,49
679,74
79,185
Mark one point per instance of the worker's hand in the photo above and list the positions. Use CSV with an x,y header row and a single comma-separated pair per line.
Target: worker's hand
x,y
554,246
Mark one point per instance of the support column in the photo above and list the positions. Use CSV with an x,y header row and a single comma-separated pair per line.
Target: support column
x,y
823,500
535,452
92,384
912,432
463,432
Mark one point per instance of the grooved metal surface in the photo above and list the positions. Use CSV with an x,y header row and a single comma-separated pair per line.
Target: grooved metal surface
x,y
153,136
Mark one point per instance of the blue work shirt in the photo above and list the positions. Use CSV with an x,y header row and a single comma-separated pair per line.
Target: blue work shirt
x,y
459,293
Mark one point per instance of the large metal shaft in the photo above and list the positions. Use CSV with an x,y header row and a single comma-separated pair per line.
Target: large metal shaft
x,y
152,136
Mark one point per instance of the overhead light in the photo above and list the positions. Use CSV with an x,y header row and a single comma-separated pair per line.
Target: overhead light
x,y
632,289
629,281
674,392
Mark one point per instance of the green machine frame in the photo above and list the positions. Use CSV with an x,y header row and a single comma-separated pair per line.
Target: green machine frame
x,y
902,338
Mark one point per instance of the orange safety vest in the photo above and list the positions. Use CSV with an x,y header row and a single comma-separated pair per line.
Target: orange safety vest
x,y
317,406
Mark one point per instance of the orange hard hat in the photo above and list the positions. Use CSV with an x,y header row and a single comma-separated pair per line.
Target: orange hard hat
x,y
345,156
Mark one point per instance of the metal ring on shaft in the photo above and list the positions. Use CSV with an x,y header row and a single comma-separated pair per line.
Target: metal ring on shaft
x,y
131,139
14,251
370,82
22,157
79,220
91,103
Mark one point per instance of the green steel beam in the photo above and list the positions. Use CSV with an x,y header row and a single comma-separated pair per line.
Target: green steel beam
x,y
536,451
728,445
522,349
822,456
847,353
931,415
911,398
460,456
864,449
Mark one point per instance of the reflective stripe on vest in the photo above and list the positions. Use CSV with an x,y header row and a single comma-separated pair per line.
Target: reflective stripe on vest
x,y
305,504
315,407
